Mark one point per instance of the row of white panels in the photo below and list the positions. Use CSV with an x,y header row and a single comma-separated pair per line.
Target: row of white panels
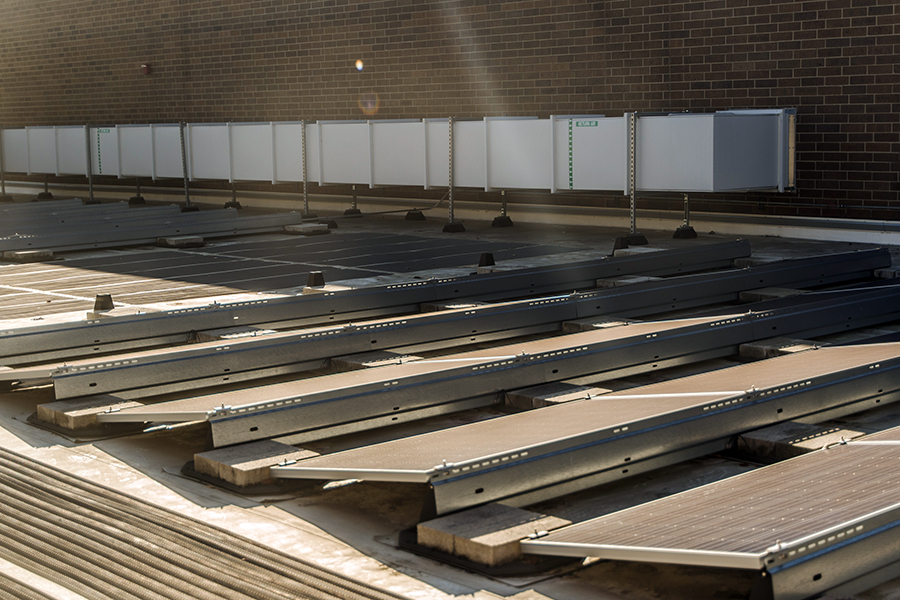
x,y
725,151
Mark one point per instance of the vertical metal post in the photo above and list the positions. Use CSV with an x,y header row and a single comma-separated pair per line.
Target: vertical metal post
x,y
686,232
450,167
452,226
3,196
632,171
184,170
90,162
303,158
633,238
503,220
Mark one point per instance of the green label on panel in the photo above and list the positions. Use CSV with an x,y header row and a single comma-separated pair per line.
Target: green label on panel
x,y
586,123
103,131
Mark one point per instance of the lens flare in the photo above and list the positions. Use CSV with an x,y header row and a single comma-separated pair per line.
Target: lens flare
x,y
359,65
369,103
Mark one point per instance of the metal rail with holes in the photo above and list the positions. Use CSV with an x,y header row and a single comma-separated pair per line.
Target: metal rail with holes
x,y
151,372
532,456
46,343
360,400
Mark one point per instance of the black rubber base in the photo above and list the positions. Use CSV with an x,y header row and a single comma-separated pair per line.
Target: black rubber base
x,y
455,227
45,196
136,201
6,198
503,221
191,208
332,224
636,239
350,212
415,215
685,232
233,204
524,567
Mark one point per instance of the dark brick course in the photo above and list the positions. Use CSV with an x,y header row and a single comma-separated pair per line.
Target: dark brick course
x,y
76,61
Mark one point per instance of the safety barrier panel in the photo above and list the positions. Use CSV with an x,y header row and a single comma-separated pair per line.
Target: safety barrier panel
x,y
711,152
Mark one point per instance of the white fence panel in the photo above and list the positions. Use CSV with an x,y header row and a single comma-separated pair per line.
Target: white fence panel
x,y
42,150
135,150
15,150
752,163
209,151
398,152
71,148
591,153
167,151
518,153
345,152
252,152
675,152
437,153
469,168
289,152
104,151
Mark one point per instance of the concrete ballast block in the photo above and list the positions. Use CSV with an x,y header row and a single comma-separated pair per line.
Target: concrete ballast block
x,y
621,280
488,535
247,464
80,414
551,394
369,360
28,256
184,241
790,439
769,293
592,323
308,229
778,346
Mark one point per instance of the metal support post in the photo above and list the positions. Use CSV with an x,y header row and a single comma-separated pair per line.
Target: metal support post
x,y
188,207
233,203
45,195
633,238
452,225
306,213
137,199
503,220
686,232
353,210
3,196
89,166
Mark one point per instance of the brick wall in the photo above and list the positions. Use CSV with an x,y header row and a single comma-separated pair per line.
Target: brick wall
x,y
76,61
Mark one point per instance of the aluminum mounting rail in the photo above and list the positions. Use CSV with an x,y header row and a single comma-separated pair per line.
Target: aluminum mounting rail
x,y
225,222
532,456
21,208
359,400
829,520
45,343
213,363
57,223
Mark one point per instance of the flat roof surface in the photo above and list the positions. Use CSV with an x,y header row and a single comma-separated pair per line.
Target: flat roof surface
x,y
354,529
